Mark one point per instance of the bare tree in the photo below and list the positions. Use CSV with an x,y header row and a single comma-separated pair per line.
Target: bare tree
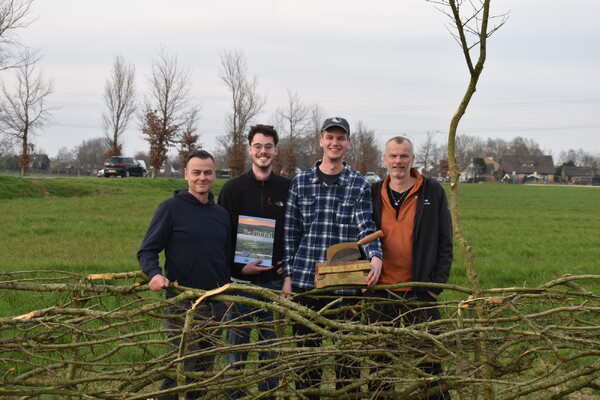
x,y
309,147
6,145
246,104
524,147
306,148
364,154
23,109
427,152
470,27
63,162
496,148
64,155
189,139
89,155
165,107
466,147
119,98
294,121
579,158
13,17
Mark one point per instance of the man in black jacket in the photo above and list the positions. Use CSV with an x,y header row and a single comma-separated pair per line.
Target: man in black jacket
x,y
256,196
194,233
413,213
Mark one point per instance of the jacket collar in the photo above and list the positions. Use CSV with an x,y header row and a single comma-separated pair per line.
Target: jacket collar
x,y
187,196
250,174
343,179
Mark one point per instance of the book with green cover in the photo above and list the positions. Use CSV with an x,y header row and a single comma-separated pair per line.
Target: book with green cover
x,y
255,237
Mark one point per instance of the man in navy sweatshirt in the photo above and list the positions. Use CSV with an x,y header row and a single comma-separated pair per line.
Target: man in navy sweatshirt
x,y
194,234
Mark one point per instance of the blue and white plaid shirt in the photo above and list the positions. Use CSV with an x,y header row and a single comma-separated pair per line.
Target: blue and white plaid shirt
x,y
320,215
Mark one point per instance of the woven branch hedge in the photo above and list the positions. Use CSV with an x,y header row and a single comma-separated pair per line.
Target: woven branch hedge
x,y
104,337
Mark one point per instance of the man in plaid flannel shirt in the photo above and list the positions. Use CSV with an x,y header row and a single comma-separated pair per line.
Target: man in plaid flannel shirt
x,y
327,204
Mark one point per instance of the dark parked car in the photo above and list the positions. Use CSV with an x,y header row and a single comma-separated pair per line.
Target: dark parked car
x,y
223,173
122,166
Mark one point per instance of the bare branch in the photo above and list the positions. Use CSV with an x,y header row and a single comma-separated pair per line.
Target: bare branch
x,y
103,336
119,98
14,16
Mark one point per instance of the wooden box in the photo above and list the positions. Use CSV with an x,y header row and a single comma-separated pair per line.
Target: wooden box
x,y
342,273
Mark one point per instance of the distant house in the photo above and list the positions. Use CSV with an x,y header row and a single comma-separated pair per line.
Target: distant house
x,y
39,162
519,169
480,169
61,168
577,175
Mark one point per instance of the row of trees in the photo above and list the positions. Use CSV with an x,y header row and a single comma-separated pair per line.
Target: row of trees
x,y
364,154
23,107
468,147
168,118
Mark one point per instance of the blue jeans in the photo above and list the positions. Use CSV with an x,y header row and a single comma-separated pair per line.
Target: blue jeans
x,y
239,314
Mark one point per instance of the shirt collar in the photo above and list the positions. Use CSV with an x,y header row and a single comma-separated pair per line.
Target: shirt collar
x,y
342,180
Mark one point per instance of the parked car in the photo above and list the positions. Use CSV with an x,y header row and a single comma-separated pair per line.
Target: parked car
x,y
372,177
122,166
100,173
223,173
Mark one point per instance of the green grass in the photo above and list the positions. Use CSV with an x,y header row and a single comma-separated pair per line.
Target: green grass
x,y
521,235
525,235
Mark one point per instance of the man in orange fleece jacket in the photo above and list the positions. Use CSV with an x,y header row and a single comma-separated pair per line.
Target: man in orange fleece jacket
x,y
412,211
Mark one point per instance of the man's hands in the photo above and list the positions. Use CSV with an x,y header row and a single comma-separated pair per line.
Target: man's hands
x,y
375,271
158,282
254,269
286,288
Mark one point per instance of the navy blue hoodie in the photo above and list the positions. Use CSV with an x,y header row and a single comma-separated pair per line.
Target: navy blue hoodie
x,y
195,240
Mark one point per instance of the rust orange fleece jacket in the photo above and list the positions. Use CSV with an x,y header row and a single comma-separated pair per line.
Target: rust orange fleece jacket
x,y
397,243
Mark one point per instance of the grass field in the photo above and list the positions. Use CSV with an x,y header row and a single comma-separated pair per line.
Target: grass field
x,y
522,235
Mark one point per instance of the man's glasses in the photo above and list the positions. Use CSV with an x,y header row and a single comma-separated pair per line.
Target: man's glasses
x,y
259,147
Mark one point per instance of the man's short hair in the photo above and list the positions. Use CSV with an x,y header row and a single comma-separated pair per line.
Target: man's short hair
x,y
201,154
400,140
267,130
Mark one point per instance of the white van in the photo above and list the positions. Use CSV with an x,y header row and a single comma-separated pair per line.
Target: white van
x,y
144,167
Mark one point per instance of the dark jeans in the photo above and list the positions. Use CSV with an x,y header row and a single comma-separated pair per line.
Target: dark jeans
x,y
205,334
346,371
240,335
410,313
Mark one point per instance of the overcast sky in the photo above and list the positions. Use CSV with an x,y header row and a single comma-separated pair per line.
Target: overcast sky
x,y
391,64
